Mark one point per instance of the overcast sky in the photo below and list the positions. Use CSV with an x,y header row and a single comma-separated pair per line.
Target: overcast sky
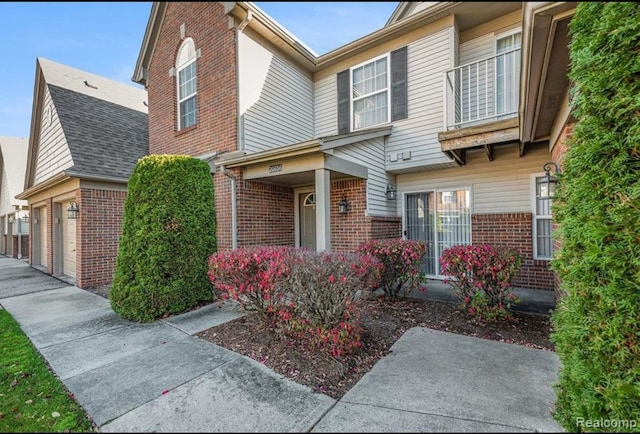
x,y
104,38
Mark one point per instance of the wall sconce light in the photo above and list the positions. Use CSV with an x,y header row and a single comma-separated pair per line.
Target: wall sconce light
x,y
391,192
12,219
548,181
343,206
35,221
73,210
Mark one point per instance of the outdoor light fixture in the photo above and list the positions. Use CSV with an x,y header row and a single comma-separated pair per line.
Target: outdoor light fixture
x,y
548,181
391,192
343,206
73,210
12,219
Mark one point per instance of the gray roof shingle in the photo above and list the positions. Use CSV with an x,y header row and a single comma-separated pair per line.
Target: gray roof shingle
x,y
105,139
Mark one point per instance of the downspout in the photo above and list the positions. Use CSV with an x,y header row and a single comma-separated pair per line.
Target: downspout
x,y
240,141
234,208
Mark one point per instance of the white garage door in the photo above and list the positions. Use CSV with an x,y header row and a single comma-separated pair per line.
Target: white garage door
x,y
42,222
68,242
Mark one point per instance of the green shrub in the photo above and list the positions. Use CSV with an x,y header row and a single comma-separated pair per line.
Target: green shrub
x,y
481,277
401,264
597,207
168,233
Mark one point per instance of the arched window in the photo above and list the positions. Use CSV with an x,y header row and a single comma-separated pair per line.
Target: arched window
x,y
310,200
187,84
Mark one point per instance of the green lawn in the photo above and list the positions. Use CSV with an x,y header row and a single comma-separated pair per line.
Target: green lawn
x,y
32,398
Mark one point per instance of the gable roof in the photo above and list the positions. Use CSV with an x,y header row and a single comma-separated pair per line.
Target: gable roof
x,y
407,17
13,163
105,139
105,122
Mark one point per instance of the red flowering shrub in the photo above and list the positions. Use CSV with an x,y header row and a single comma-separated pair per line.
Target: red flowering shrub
x,y
481,276
315,298
401,264
250,275
325,299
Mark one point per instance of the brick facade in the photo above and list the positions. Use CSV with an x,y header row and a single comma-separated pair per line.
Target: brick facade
x,y
265,214
350,230
216,126
514,230
98,231
22,245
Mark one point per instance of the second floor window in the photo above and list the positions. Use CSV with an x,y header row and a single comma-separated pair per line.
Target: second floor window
x,y
370,94
373,93
187,84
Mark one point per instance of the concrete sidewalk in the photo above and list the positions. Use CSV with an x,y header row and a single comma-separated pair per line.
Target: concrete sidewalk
x,y
158,377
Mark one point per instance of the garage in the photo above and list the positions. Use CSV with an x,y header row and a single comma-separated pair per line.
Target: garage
x,y
68,226
40,245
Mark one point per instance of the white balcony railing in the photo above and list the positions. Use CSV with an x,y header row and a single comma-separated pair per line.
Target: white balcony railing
x,y
483,91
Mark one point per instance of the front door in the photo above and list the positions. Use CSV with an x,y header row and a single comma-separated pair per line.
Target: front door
x,y
307,210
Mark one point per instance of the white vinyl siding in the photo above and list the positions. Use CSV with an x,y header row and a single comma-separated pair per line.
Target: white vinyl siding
x,y
286,100
53,151
5,194
275,98
428,59
370,153
499,186
477,49
326,112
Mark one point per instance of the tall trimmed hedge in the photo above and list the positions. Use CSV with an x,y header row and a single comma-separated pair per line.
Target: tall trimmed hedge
x,y
597,206
168,234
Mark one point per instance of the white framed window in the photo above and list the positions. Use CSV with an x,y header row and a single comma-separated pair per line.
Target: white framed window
x,y
187,84
542,221
370,88
507,75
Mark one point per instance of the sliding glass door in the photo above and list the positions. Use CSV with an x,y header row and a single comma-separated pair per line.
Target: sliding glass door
x,y
441,218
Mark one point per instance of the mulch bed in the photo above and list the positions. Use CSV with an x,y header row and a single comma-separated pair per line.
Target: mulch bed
x,y
384,323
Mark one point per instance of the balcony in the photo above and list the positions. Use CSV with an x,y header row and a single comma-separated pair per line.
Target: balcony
x,y
481,104
483,91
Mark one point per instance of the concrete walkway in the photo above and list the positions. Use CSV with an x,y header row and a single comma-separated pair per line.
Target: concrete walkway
x,y
158,377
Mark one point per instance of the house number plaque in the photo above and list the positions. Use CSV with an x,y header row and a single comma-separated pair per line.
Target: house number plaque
x,y
275,168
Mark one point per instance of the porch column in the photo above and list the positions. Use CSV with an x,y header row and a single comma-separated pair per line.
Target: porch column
x,y
323,210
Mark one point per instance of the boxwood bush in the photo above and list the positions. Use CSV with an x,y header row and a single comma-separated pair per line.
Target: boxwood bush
x,y
168,233
597,207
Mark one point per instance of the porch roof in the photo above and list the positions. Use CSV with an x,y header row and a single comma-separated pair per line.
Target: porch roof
x,y
321,144
296,164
